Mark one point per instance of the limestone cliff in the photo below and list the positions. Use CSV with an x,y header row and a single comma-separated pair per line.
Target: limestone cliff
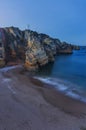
x,y
29,47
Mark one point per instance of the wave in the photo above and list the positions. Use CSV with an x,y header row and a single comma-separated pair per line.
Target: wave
x,y
5,69
67,88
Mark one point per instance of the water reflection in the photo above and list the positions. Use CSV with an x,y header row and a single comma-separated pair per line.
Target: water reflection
x,y
45,70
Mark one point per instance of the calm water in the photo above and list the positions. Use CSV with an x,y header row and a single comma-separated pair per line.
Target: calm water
x,y
68,72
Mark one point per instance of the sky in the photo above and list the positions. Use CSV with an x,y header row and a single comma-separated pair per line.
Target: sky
x,y
63,19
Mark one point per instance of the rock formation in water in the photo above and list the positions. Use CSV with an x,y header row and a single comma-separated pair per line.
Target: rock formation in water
x,y
29,47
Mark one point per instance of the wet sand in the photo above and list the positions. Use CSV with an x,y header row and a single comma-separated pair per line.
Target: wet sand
x,y
29,104
59,99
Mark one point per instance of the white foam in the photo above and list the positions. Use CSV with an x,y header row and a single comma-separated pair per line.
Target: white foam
x,y
73,95
63,87
53,82
5,69
76,96
6,80
45,80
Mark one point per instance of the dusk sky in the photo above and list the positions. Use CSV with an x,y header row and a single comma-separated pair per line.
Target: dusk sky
x,y
63,19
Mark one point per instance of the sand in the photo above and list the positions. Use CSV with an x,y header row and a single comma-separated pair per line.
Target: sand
x,y
28,104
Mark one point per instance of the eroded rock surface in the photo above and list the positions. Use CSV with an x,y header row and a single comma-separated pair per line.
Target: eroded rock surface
x,y
29,47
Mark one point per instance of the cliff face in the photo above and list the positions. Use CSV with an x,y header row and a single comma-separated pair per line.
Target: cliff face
x,y
35,53
2,49
29,47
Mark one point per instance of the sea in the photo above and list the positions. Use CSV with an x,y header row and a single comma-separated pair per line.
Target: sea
x,y
67,74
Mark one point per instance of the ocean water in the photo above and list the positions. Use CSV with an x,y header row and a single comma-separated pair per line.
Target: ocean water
x,y
67,73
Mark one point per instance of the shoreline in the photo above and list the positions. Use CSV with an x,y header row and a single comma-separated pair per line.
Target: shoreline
x,y
51,93
59,99
66,88
27,103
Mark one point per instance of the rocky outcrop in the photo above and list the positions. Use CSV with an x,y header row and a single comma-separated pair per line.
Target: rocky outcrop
x,y
35,54
15,45
30,47
74,47
2,48
64,48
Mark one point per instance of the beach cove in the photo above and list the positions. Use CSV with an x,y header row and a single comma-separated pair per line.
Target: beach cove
x,y
29,104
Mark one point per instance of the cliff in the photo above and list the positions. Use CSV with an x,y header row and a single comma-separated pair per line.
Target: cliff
x,y
29,47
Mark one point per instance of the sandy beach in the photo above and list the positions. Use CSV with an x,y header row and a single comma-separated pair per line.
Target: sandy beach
x,y
29,104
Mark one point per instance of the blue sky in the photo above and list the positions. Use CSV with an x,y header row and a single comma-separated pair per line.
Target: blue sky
x,y
63,19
